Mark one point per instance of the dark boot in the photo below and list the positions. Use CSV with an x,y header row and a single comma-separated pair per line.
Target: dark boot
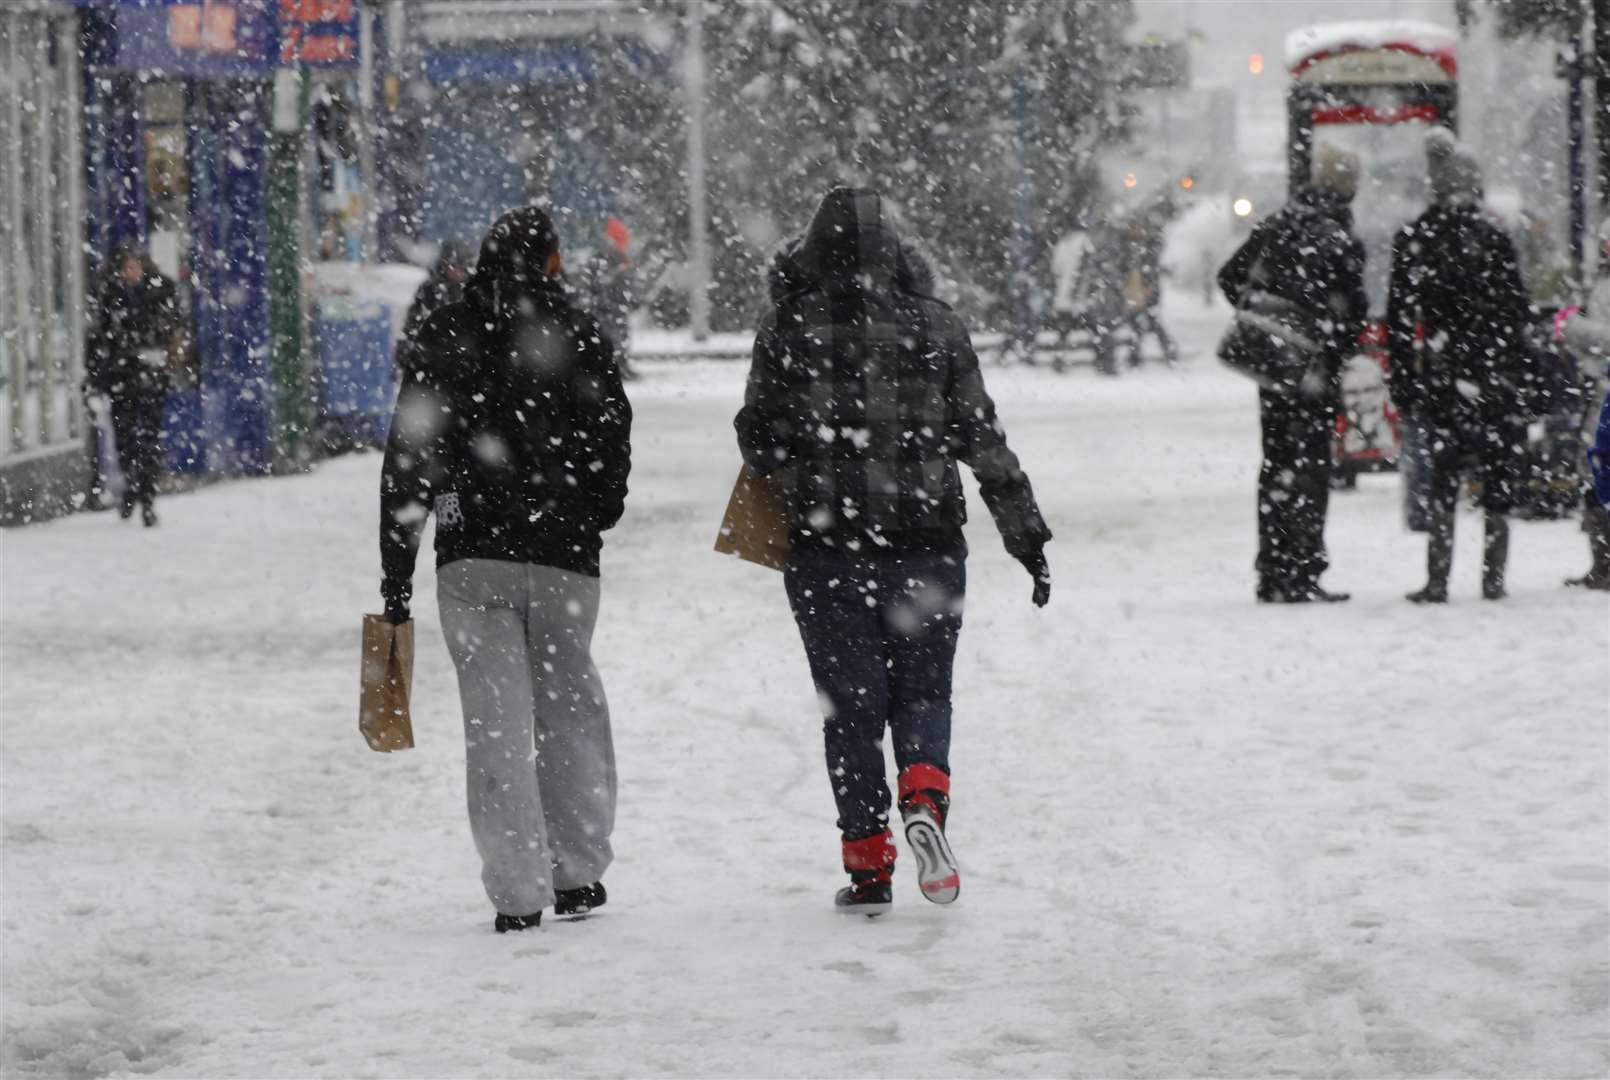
x,y
580,900
1495,556
870,862
1597,526
504,924
1439,557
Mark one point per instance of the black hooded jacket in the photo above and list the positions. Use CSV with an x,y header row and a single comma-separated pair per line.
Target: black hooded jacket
x,y
126,320
1456,313
1306,254
866,396
511,425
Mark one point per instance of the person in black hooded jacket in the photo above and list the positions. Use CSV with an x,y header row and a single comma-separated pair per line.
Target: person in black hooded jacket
x,y
1305,255
863,396
512,427
134,318
1456,318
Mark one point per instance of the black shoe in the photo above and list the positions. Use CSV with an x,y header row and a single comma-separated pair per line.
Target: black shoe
x,y
870,898
503,924
579,901
125,509
1493,591
1433,593
149,516
1304,594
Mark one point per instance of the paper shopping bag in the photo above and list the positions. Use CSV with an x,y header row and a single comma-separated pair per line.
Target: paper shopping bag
x,y
755,527
387,678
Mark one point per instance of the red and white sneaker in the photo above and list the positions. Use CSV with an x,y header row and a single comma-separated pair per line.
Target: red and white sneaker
x,y
937,874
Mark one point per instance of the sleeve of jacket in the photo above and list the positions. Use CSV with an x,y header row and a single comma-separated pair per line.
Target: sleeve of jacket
x,y
409,475
1402,323
977,438
97,344
1351,305
765,428
606,419
1236,272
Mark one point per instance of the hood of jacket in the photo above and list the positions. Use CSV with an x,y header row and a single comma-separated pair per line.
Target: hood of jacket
x,y
514,262
848,235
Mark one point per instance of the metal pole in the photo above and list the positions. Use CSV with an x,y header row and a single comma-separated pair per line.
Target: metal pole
x,y
73,227
1576,138
698,239
366,142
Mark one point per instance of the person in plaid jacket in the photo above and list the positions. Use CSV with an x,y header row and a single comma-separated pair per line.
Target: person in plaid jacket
x,y
864,395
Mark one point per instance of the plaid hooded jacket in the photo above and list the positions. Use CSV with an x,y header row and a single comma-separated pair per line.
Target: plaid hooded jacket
x,y
866,395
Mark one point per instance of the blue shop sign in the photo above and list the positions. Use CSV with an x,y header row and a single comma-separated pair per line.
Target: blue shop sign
x,y
225,38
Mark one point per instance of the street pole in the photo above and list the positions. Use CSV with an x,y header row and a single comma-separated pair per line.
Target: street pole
x,y
286,149
1576,138
1601,101
698,240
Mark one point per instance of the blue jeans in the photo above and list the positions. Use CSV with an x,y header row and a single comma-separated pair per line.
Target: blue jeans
x,y
880,635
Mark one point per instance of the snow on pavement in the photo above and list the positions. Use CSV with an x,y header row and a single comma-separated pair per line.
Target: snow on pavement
x,y
1198,836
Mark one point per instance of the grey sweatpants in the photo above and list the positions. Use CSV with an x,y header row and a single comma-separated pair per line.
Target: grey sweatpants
x,y
540,761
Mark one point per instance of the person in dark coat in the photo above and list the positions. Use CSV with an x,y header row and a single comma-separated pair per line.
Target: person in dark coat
x,y
607,292
1306,255
133,321
863,397
1143,283
1456,316
513,429
444,285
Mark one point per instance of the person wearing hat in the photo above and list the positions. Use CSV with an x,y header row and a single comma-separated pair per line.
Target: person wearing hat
x,y
513,429
606,289
1456,316
1307,257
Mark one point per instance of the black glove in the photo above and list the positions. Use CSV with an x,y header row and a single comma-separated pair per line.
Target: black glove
x,y
1034,562
396,596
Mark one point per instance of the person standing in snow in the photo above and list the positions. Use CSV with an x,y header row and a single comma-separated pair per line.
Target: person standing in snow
x,y
1306,256
1143,283
1456,318
134,319
444,285
862,398
512,427
606,287
1589,335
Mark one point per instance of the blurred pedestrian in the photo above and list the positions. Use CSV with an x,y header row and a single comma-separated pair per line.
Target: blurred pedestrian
x,y
607,289
1304,259
1143,283
862,398
444,285
1588,334
513,429
1456,318
132,328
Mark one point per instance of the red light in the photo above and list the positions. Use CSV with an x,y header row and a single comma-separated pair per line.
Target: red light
x,y
1255,63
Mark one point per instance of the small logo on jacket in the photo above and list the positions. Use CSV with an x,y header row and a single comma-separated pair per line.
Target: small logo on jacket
x,y
449,515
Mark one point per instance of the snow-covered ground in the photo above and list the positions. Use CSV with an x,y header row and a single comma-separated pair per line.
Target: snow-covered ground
x,y
1198,836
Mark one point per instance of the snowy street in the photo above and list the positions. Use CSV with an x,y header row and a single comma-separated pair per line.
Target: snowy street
x,y
1199,836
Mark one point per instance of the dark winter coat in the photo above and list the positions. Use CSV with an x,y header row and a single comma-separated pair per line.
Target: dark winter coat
x,y
1599,454
512,427
867,396
434,293
1306,254
125,321
1457,315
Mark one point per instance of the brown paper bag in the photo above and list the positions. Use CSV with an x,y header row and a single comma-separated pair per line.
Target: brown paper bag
x,y
755,527
387,684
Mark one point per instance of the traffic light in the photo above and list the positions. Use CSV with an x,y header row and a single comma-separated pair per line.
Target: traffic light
x,y
1255,64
